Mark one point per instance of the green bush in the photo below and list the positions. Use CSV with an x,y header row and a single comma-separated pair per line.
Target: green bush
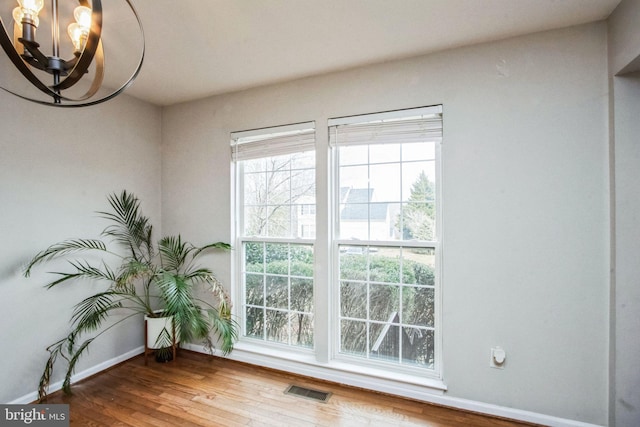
x,y
383,269
255,253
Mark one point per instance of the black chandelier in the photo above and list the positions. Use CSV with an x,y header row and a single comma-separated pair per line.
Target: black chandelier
x,y
79,80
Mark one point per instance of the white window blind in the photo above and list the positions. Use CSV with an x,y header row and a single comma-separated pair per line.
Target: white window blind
x,y
274,141
414,125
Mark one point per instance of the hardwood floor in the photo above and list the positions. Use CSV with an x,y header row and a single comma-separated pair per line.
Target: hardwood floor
x,y
200,390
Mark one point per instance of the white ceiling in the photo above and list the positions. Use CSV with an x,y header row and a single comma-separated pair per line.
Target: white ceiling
x,y
197,48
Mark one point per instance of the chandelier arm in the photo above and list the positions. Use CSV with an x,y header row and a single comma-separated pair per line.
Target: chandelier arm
x,y
38,59
88,53
15,58
97,78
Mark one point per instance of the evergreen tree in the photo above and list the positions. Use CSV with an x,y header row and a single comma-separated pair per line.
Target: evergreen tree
x,y
419,213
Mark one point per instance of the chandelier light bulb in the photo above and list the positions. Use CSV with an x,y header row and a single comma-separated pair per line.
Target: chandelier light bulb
x,y
78,36
79,31
31,7
83,16
18,15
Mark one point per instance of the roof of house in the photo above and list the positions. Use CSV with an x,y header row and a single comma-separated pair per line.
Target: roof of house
x,y
358,206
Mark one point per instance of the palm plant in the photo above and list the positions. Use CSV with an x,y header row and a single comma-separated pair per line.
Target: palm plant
x,y
146,281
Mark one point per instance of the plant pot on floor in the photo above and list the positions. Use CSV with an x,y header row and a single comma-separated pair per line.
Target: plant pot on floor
x,y
160,337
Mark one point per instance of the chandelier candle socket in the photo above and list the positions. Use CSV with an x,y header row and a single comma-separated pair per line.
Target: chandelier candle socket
x,y
84,70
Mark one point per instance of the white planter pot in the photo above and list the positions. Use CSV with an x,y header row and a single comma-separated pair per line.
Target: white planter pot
x,y
155,326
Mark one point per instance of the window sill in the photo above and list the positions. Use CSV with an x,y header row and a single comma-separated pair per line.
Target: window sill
x,y
305,363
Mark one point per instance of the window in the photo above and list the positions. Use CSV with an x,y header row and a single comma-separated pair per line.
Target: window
x,y
387,237
275,177
366,291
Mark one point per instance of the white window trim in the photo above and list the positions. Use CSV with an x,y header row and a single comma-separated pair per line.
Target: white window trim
x,y
437,372
356,375
388,115
286,139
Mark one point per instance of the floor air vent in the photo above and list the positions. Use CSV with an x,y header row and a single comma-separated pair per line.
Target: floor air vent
x,y
318,396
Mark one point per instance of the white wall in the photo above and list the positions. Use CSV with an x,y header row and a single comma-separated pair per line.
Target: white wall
x,y
525,201
56,168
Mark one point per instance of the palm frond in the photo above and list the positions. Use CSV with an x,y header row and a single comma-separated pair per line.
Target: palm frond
x,y
65,277
66,349
219,319
66,384
149,242
64,248
97,273
84,271
193,323
217,245
179,302
89,314
226,328
131,271
71,343
132,230
174,252
175,292
126,209
199,275
54,350
218,291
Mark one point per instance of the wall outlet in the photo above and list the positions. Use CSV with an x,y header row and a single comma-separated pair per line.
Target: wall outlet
x,y
498,358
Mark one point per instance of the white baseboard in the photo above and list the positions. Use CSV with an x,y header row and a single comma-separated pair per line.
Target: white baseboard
x,y
511,413
32,397
422,393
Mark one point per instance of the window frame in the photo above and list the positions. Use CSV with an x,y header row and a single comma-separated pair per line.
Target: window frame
x,y
238,215
337,241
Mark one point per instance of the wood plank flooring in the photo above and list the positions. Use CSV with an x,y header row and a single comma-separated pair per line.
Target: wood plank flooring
x,y
201,390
